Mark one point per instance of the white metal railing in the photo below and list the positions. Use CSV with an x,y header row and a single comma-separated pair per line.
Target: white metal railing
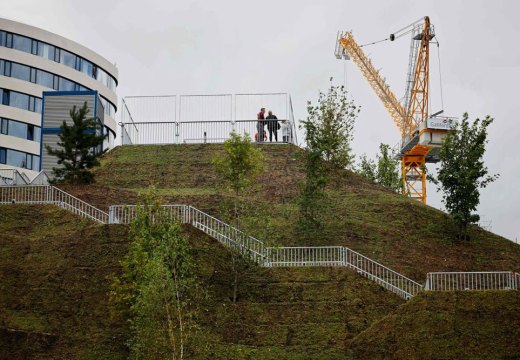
x,y
343,256
305,256
481,280
384,276
204,118
125,214
269,256
46,194
228,235
206,132
279,256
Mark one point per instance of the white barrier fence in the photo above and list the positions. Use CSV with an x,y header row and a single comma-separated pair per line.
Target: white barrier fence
x,y
256,250
45,194
280,256
188,119
481,280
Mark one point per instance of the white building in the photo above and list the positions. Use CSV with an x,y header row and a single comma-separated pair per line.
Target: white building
x,y
32,61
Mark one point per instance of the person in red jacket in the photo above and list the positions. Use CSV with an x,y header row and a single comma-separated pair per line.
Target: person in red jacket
x,y
260,125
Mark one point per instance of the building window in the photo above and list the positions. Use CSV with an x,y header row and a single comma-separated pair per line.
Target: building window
x,y
20,130
9,40
67,58
66,85
21,72
19,159
44,78
4,126
7,68
22,43
17,129
46,51
19,100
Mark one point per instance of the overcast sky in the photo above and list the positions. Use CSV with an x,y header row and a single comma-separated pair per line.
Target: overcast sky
x,y
202,47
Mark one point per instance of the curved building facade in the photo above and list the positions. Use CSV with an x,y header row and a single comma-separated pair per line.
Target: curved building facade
x,y
32,61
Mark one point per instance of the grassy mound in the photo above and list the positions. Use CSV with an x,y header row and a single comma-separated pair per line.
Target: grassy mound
x,y
401,233
55,272
448,325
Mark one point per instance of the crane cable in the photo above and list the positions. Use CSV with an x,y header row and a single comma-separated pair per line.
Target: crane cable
x,y
440,73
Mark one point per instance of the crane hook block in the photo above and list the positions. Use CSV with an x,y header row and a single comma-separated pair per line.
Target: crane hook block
x,y
392,37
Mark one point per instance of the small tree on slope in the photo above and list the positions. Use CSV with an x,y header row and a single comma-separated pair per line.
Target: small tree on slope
x,y
462,171
385,171
76,153
238,167
328,134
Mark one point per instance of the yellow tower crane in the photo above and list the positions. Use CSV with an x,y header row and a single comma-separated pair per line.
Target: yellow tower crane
x,y
421,135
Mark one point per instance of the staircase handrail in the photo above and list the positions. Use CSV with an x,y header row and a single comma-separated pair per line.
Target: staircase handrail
x,y
48,194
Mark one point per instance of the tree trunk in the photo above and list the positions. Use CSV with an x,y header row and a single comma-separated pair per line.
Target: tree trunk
x,y
235,276
179,313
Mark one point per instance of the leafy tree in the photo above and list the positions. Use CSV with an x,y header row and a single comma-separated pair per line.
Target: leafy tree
x,y
329,127
158,289
312,199
239,167
462,171
386,171
328,134
367,168
76,150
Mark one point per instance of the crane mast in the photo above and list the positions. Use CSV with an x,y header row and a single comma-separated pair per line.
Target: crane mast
x,y
421,138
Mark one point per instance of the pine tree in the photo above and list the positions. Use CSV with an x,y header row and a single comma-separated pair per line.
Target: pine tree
x,y
77,149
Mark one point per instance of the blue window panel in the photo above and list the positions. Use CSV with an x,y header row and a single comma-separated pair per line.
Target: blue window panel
x,y
87,67
46,51
66,85
9,40
2,62
29,161
19,100
21,72
5,97
37,105
22,43
34,47
36,163
2,38
67,58
37,133
4,123
44,78
16,158
7,68
18,129
3,156
33,75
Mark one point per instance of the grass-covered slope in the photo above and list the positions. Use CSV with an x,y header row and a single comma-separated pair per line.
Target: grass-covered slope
x,y
448,325
55,272
401,233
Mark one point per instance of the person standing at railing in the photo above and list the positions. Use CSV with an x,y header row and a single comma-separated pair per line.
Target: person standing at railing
x,y
286,130
260,125
272,126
